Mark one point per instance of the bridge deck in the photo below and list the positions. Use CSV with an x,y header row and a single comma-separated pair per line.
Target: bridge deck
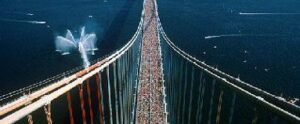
x,y
150,104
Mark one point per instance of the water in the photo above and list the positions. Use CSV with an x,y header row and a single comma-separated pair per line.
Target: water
x,y
253,39
28,49
256,40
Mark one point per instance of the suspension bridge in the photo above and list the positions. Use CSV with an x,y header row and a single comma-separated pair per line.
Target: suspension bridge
x,y
148,80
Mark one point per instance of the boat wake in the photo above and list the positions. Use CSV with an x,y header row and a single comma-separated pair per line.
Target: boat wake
x,y
23,21
242,35
225,35
20,13
244,13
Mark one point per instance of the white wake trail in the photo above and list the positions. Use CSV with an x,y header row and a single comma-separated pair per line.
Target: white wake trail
x,y
23,21
37,22
225,35
20,13
252,13
29,14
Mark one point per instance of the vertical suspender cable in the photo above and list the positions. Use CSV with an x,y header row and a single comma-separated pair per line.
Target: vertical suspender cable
x,y
134,80
100,98
199,97
69,99
128,85
219,107
174,90
47,109
109,96
184,93
116,92
170,81
90,101
175,85
191,95
232,108
179,93
129,73
29,119
120,90
255,118
202,100
124,88
137,71
131,82
171,86
211,101
83,113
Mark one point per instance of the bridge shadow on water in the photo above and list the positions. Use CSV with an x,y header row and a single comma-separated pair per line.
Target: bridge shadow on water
x,y
114,31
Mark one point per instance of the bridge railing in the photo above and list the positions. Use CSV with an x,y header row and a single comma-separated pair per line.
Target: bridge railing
x,y
190,83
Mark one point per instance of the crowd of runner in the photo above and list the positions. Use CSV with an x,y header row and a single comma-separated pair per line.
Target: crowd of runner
x,y
150,104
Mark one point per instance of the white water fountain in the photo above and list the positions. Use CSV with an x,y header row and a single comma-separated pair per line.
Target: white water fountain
x,y
85,44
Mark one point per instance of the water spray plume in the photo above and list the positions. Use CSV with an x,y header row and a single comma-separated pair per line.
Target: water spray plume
x,y
85,44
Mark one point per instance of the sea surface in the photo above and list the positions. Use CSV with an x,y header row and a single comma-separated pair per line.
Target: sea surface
x,y
27,44
256,40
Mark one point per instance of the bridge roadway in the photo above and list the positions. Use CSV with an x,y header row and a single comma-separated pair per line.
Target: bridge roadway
x,y
150,101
